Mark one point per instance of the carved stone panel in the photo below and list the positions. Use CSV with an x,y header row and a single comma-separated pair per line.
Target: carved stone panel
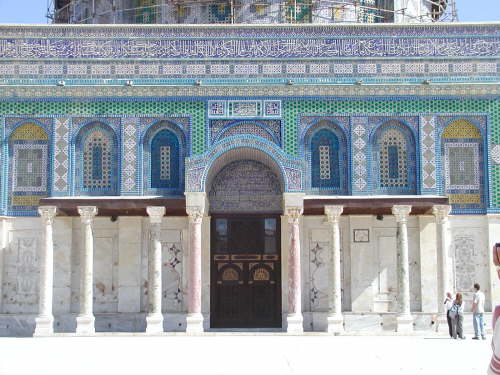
x,y
245,186
173,257
21,274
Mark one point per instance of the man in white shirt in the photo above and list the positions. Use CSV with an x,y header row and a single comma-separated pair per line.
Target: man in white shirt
x,y
478,312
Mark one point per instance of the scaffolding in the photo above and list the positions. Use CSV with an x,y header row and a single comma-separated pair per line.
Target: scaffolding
x,y
249,11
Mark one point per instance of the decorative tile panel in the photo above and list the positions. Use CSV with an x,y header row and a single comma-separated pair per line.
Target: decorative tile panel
x,y
244,108
29,166
428,152
359,141
129,158
462,146
61,154
267,129
394,155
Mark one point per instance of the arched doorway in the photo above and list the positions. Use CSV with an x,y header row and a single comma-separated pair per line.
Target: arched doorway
x,y
245,199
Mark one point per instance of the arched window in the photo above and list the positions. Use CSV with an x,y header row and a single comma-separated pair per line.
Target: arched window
x,y
325,167
164,150
394,159
165,160
29,167
462,148
97,161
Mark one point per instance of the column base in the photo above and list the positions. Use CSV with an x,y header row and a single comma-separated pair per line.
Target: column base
x,y
295,323
85,325
44,326
154,323
404,324
335,324
194,323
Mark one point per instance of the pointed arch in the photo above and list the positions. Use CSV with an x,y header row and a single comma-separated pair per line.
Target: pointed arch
x,y
96,160
164,151
325,145
394,159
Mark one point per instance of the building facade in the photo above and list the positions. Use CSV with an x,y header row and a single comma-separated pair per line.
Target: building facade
x,y
288,177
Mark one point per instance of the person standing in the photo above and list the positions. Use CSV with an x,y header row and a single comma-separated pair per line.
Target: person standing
x,y
457,317
478,312
448,303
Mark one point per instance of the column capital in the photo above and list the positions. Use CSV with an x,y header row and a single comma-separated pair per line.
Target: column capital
x,y
293,214
401,212
441,212
47,213
155,213
195,214
87,213
333,213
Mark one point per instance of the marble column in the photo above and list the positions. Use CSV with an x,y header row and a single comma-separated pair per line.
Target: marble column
x,y
443,240
154,319
85,319
44,322
404,320
194,319
335,318
294,317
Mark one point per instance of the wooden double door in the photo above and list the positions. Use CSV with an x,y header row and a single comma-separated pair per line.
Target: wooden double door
x,y
245,272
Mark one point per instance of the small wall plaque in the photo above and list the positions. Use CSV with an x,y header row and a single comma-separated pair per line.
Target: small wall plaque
x,y
361,235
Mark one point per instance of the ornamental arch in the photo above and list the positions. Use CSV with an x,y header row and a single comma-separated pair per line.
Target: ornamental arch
x,y
163,147
394,160
29,166
462,151
96,160
245,180
324,145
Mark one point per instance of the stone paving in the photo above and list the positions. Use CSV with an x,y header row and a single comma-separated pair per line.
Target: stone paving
x,y
230,354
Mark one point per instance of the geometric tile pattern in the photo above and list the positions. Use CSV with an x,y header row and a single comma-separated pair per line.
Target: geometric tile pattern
x,y
268,129
325,167
462,148
129,158
359,141
160,135
327,171
97,161
28,167
165,163
428,151
61,154
393,163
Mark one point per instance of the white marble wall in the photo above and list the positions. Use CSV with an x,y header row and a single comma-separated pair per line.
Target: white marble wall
x,y
369,284
120,264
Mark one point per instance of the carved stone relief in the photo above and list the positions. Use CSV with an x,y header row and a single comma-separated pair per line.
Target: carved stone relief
x,y
245,186
173,257
21,274
464,262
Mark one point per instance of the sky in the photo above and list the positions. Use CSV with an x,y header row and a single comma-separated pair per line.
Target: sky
x,y
34,11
